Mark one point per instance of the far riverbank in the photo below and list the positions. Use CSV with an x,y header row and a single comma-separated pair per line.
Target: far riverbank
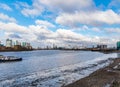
x,y
14,50
105,51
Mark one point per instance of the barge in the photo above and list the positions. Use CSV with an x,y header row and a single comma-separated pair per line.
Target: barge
x,y
9,58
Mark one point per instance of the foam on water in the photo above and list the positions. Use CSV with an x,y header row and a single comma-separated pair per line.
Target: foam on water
x,y
58,77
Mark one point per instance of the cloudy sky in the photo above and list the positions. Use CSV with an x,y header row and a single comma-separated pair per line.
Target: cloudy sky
x,y
70,22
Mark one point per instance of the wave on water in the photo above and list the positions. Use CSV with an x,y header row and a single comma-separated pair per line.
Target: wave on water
x,y
57,77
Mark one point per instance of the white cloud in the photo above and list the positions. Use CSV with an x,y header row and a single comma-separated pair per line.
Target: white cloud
x,y
68,6
96,29
31,12
114,3
38,6
5,17
94,18
5,7
85,27
12,35
77,14
42,35
68,34
13,27
112,30
18,5
34,10
44,23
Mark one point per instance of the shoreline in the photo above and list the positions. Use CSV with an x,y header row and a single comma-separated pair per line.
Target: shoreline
x,y
105,52
101,51
108,76
14,50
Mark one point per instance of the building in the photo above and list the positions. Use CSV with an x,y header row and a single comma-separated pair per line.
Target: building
x,y
102,46
118,45
8,43
17,47
1,44
17,43
24,44
2,47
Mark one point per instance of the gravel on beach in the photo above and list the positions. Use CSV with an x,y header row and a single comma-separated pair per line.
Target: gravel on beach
x,y
108,76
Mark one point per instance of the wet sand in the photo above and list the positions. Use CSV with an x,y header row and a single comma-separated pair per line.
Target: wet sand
x,y
108,76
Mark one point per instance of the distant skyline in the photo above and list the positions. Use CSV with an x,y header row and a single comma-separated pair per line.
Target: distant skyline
x,y
72,22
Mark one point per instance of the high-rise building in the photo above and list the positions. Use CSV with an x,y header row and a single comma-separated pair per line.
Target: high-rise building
x,y
8,43
24,44
1,44
27,44
17,42
102,46
118,45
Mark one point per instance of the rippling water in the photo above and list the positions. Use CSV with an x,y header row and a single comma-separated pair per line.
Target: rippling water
x,y
46,68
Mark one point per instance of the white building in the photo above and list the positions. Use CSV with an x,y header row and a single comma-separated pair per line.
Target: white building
x,y
8,43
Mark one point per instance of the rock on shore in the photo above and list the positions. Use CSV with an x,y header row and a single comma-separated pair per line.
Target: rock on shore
x,y
106,77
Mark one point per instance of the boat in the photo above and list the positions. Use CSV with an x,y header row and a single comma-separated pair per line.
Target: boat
x,y
9,58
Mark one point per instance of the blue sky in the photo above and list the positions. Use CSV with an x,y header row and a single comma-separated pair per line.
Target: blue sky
x,y
48,22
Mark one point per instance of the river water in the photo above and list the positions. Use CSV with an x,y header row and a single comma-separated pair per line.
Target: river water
x,y
50,68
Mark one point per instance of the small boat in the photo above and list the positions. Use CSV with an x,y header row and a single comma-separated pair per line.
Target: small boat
x,y
9,58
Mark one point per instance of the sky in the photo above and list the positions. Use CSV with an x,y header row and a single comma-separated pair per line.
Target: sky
x,y
64,23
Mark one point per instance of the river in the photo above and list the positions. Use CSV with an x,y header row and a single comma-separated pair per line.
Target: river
x,y
50,68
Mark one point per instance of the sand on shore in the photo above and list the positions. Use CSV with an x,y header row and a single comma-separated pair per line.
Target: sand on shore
x,y
108,76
